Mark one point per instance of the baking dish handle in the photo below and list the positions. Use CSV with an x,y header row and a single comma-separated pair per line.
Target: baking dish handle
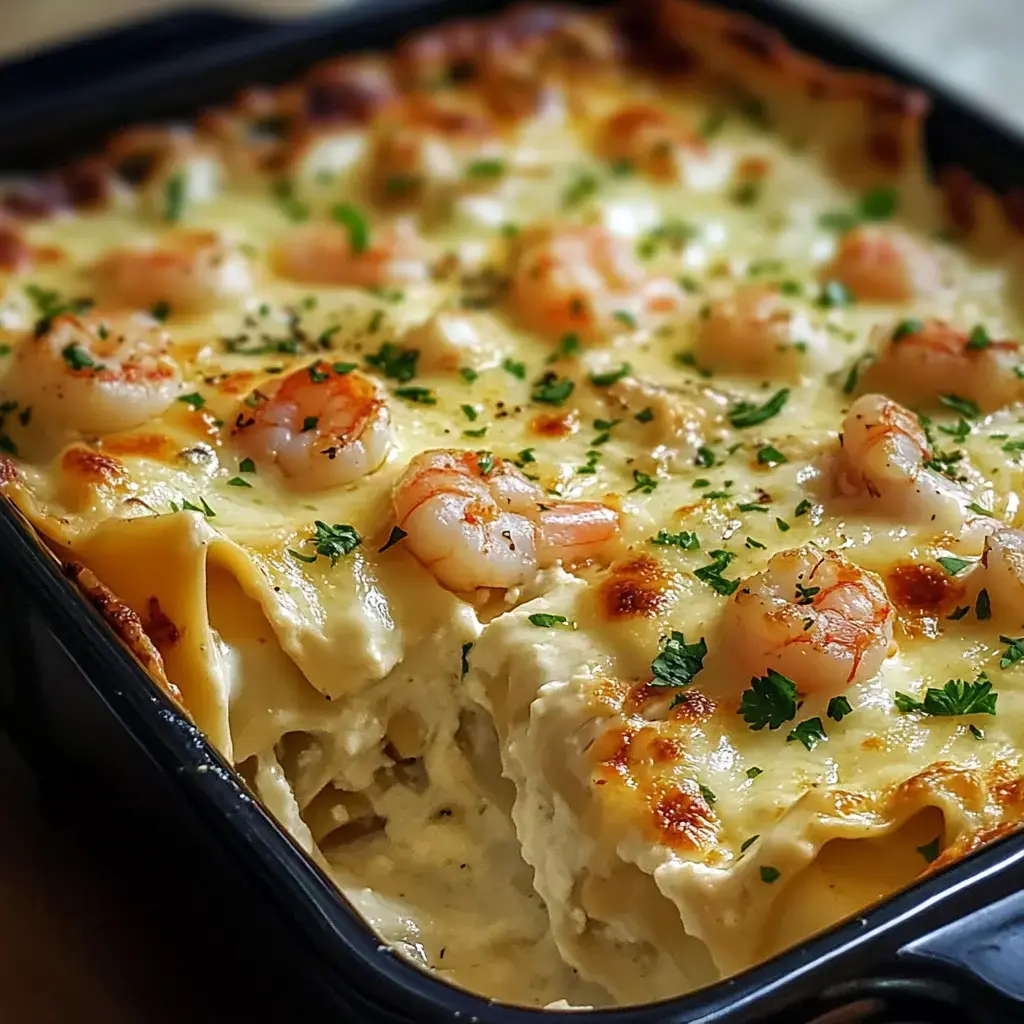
x,y
983,949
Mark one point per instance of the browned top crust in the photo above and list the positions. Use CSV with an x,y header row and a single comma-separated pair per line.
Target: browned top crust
x,y
124,622
507,60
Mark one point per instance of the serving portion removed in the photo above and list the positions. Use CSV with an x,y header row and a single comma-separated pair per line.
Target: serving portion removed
x,y
571,467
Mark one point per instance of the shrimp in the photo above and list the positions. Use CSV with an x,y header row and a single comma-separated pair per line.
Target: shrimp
x,y
586,281
475,521
881,264
1000,573
919,360
330,254
649,139
95,374
193,272
323,426
883,463
814,617
752,331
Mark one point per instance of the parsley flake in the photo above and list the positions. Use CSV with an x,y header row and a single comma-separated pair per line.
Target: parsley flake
x,y
930,851
753,771
679,662
770,874
643,483
746,414
333,542
545,621
603,380
397,534
770,456
195,400
686,539
964,406
175,194
237,481
838,709
551,389
517,370
953,566
711,574
1014,653
770,701
809,732
957,697
395,362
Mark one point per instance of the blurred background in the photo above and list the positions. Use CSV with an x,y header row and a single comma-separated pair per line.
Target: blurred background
x,y
74,946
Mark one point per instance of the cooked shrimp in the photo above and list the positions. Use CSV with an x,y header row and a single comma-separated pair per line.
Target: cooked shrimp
x,y
815,617
881,264
882,463
453,339
95,374
323,426
475,521
650,139
919,360
1001,574
330,254
192,272
753,331
586,281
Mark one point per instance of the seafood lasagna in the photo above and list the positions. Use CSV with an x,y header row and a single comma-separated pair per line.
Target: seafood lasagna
x,y
570,466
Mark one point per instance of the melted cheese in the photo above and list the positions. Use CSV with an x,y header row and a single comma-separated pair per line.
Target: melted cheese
x,y
546,815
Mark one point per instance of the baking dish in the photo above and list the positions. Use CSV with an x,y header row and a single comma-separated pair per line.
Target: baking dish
x,y
223,808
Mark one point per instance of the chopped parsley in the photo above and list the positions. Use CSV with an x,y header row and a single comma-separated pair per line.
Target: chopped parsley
x,y
78,359
1014,653
746,414
309,423
834,294
247,466
770,874
983,606
397,534
468,374
930,851
853,375
711,574
803,508
809,732
978,338
906,329
237,481
709,795
160,310
517,370
175,194
838,709
395,362
333,542
770,701
643,483
978,734
705,457
604,380
678,662
770,456
466,648
625,318
469,412
686,539
421,396
486,168
957,697
201,507
355,223
581,188
953,566
552,389
752,773
673,234
545,621
964,406
195,400
875,205
751,543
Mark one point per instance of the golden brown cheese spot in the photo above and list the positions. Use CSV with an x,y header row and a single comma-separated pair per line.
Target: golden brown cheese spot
x,y
145,445
682,818
555,424
1006,786
639,588
846,804
90,466
944,776
695,708
968,842
162,631
922,589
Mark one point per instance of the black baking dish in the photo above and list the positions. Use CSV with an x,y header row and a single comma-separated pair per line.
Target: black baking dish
x,y
92,722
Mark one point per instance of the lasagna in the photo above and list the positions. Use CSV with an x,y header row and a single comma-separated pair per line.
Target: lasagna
x,y
570,466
